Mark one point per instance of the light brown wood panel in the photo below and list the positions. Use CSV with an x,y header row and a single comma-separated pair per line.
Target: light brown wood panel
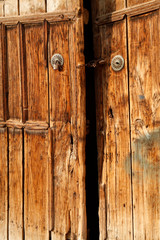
x,y
15,184
62,5
31,6
136,2
115,183
1,9
144,55
59,80
11,7
13,73
36,72
3,184
36,188
61,154
1,79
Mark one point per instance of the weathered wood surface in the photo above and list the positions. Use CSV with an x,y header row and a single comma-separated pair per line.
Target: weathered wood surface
x,y
27,7
128,121
50,106
36,72
144,53
16,227
36,185
13,73
3,184
114,182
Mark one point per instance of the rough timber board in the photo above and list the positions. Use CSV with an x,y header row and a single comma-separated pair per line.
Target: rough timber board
x,y
36,72
13,73
31,7
1,79
36,185
15,184
115,183
60,106
3,184
135,2
144,39
11,7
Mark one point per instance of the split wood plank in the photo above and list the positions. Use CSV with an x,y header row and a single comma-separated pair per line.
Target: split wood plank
x,y
144,55
13,73
59,80
115,183
15,184
3,184
36,220
11,7
36,72
81,125
31,7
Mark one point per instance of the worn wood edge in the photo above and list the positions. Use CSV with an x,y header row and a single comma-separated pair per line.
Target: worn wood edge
x,y
130,12
30,125
36,18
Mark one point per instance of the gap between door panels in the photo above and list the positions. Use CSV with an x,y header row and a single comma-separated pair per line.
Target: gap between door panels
x,y
92,199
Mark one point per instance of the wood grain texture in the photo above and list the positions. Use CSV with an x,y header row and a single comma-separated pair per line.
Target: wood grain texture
x,y
1,79
15,184
59,80
3,184
144,55
36,185
135,2
11,7
115,185
31,7
1,9
13,74
36,73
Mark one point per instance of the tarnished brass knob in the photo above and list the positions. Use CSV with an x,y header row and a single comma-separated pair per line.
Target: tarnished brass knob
x,y
117,63
57,61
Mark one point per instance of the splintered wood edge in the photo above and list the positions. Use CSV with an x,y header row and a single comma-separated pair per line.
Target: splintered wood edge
x,y
50,17
130,12
30,125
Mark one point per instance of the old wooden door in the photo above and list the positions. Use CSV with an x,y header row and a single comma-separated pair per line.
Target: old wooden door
x,y
128,118
42,121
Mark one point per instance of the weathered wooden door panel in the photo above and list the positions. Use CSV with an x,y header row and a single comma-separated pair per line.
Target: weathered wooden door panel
x,y
144,37
3,184
16,174
128,121
115,183
44,111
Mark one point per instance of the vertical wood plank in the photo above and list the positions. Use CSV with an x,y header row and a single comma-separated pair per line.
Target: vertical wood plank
x,y
2,9
61,167
1,79
36,185
135,2
15,184
115,183
13,69
144,55
31,7
11,7
37,74
59,80
56,5
3,184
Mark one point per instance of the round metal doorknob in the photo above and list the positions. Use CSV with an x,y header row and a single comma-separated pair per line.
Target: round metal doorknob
x,y
57,61
117,63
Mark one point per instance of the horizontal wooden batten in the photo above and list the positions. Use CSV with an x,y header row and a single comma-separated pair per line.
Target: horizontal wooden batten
x,y
131,12
30,125
36,18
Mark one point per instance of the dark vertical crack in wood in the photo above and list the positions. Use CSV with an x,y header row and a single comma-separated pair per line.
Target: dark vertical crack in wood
x,y
129,99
